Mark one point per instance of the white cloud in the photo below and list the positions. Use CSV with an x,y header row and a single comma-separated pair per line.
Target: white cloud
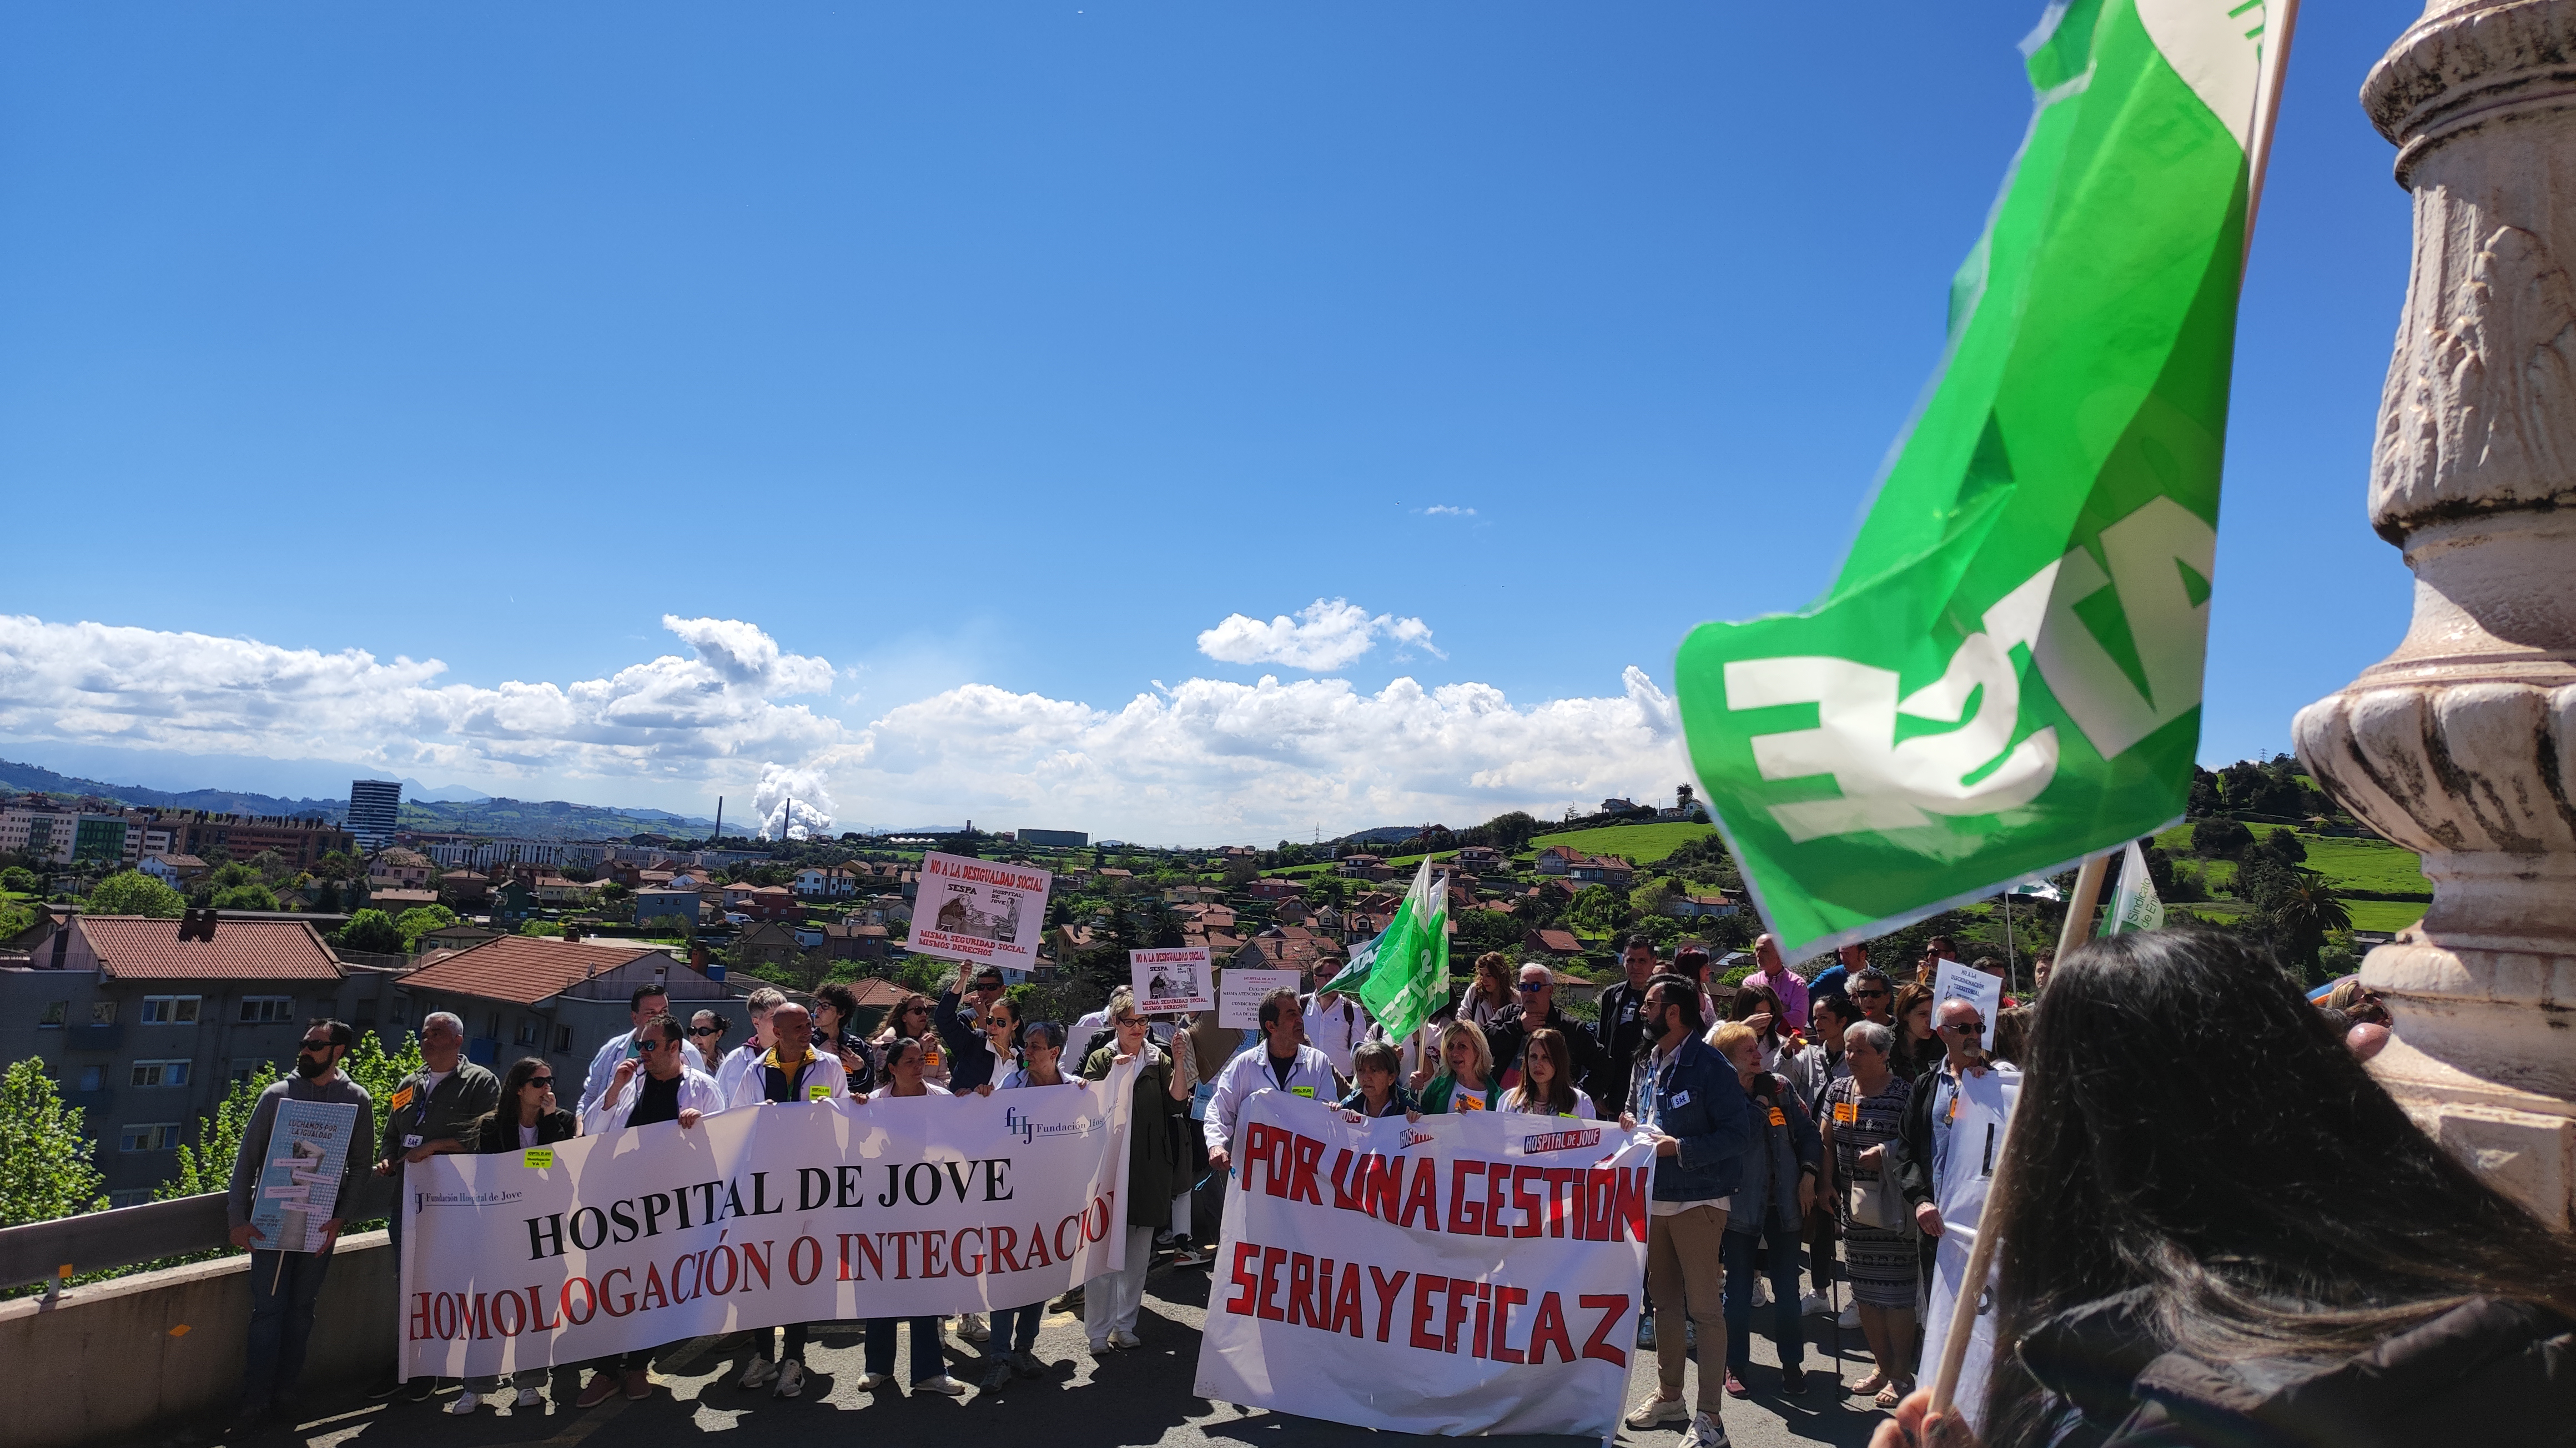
x,y
1200,761
1444,510
1325,634
1217,761
671,717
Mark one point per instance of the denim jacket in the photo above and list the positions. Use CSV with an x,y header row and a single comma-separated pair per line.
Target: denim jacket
x,y
1778,1156
1702,1105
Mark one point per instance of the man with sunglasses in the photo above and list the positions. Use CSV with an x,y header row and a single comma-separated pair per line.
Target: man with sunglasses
x,y
1921,1151
434,1112
284,1285
960,1024
667,1088
648,1000
1534,1008
1874,996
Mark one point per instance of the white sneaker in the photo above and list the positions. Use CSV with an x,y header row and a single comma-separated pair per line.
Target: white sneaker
x,y
756,1374
870,1382
1849,1319
1126,1339
1761,1293
1100,1347
970,1326
791,1379
1811,1304
1657,1410
530,1398
941,1384
466,1402
1705,1432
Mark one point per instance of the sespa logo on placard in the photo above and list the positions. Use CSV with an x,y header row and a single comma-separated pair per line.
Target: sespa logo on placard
x,y
1028,1128
423,1200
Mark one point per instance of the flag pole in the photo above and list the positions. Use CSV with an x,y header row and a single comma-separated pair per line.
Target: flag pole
x,y
1981,1257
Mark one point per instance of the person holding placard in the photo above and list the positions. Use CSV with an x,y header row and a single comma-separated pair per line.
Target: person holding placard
x,y
526,1121
285,1284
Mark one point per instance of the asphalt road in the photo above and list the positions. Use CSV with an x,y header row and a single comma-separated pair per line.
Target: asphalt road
x,y
1141,1396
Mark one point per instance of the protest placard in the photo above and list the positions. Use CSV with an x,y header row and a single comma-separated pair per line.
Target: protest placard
x,y
983,912
299,1178
1976,1142
1239,994
1456,1275
1952,981
1171,981
799,1212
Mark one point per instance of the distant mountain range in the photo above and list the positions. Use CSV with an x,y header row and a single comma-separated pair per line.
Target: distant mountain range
x,y
451,808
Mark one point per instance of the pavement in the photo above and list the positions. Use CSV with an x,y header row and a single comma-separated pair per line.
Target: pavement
x,y
1139,1396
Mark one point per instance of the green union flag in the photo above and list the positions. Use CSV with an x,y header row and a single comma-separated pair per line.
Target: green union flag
x,y
1403,975
2006,674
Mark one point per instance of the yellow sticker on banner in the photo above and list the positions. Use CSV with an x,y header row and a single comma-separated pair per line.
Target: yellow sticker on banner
x,y
1846,1113
1779,1117
538,1158
819,1091
1306,1091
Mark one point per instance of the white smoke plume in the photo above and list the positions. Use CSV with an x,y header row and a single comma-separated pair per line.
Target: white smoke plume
x,y
799,790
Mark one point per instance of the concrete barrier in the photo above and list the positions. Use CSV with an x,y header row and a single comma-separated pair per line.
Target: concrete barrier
x,y
136,1358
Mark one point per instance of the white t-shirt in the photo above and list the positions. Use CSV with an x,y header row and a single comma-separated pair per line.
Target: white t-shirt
x,y
1583,1108
528,1135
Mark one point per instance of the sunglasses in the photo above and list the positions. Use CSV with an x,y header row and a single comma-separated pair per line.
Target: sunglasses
x,y
1966,1028
648,1045
542,1083
916,1010
706,1030
1532,987
1869,995
1128,1021
316,1047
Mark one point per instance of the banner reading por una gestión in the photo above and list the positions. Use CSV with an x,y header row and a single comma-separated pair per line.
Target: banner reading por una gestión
x,y
1460,1274
810,1212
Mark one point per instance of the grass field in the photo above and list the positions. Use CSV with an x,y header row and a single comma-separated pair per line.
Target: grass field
x,y
1637,844
2351,864
2383,914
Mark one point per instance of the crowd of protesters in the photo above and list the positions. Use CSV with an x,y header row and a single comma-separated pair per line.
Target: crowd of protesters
x,y
1800,1135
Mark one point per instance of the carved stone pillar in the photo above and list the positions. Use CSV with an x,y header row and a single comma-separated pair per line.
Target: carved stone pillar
x,y
2462,743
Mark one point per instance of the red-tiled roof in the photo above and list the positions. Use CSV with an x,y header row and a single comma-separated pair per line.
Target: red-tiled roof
x,y
875,992
133,948
521,968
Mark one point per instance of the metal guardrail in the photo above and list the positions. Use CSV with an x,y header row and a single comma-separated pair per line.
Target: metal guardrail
x,y
103,1241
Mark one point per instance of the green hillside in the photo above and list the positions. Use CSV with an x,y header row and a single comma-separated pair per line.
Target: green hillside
x,y
1637,844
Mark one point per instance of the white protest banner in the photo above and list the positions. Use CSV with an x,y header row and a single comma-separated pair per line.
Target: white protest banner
x,y
1968,1170
1952,981
299,1179
1171,981
805,1212
1239,994
1456,1275
983,912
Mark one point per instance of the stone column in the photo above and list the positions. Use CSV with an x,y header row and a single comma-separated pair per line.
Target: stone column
x,y
2462,743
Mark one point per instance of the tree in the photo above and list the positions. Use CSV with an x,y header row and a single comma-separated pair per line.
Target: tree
x,y
207,1166
131,892
373,931
336,866
246,897
2282,843
19,880
1655,896
419,922
1598,910
2217,838
2306,912
45,1169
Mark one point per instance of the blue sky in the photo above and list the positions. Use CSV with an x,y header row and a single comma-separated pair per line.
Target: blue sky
x,y
980,359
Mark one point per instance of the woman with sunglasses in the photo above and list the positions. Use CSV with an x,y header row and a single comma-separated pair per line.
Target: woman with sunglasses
x,y
525,1117
1012,1345
1158,1125
1000,1027
911,1019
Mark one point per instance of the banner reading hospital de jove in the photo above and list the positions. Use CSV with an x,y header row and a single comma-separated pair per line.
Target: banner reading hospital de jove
x,y
1476,1273
805,1212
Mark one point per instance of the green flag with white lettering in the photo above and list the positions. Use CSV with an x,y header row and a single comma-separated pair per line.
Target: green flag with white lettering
x,y
1403,975
2006,674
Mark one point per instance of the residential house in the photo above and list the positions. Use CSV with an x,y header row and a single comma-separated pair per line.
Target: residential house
x,y
465,890
1273,889
1618,806
1560,943
1361,867
395,902
768,943
1555,859
400,869
1699,907
1481,860
513,904
147,1023
826,882
765,902
556,891
555,999
653,904
1289,947
179,872
1608,870
848,941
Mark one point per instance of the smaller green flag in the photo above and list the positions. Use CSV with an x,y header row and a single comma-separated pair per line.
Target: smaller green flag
x,y
1404,973
2134,905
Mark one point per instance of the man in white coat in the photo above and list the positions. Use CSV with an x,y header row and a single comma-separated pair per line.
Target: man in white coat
x,y
649,1000
1284,1063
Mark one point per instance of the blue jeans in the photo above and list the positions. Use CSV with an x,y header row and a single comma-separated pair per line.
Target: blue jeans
x,y
1008,1322
1782,1235
927,1360
283,1289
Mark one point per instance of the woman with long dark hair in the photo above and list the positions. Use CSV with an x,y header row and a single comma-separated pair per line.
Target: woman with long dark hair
x,y
1489,992
2272,1253
525,1117
1916,1046
1547,1079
